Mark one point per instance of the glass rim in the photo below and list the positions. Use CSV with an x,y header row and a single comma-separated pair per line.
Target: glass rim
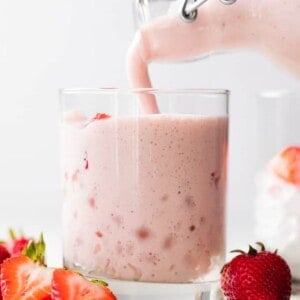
x,y
112,90
273,94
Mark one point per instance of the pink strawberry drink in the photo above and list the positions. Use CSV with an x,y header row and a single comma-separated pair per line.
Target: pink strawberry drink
x,y
144,197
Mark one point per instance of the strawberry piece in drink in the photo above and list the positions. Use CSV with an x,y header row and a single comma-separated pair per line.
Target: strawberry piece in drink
x,y
101,116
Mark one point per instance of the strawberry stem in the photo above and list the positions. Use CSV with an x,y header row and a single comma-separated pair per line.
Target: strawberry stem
x,y
36,250
252,251
12,234
238,251
99,282
262,246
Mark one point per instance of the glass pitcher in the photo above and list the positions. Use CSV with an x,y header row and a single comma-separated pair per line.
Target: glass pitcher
x,y
193,29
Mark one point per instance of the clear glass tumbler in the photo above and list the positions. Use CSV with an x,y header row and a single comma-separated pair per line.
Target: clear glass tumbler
x,y
144,194
278,174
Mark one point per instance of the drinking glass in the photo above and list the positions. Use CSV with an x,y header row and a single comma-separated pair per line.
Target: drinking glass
x,y
144,195
278,162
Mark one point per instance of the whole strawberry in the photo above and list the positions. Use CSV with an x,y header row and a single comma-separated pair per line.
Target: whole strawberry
x,y
16,244
256,275
4,254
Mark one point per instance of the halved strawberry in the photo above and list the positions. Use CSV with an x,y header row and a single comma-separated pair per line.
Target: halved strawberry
x,y
286,165
68,285
101,116
22,279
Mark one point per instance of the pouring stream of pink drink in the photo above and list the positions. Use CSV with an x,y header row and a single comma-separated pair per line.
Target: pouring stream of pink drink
x,y
270,26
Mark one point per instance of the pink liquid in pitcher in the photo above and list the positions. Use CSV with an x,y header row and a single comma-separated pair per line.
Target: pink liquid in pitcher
x,y
269,26
144,198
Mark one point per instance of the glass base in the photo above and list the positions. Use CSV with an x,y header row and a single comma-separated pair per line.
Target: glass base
x,y
141,290
133,290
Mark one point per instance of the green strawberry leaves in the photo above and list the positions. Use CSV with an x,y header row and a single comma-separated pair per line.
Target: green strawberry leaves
x,y
36,250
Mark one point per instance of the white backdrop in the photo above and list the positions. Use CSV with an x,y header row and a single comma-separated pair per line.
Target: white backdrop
x,y
46,45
